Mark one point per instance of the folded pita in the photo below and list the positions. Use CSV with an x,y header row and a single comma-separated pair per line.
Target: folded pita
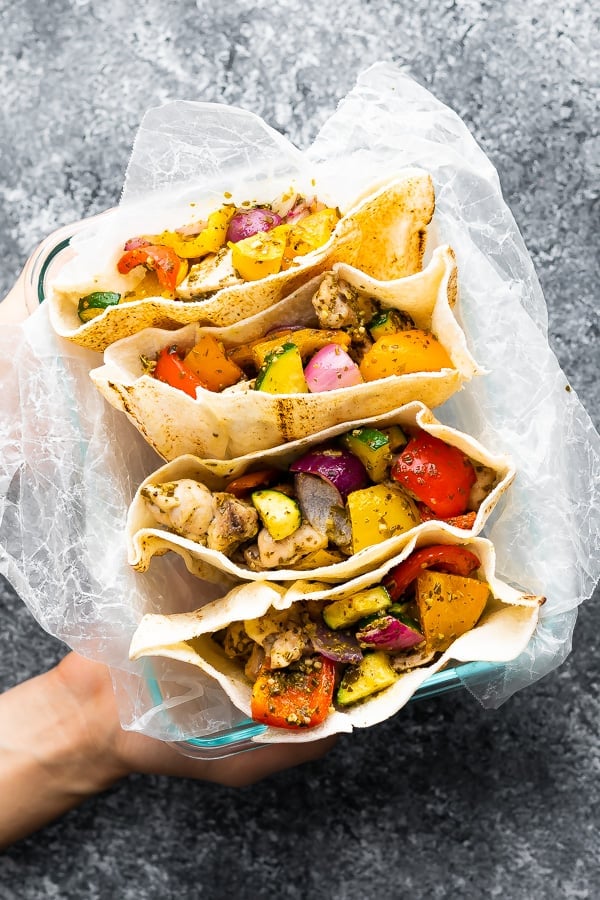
x,y
383,234
501,634
239,419
146,538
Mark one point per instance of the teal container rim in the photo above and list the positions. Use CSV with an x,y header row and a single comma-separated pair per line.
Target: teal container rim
x,y
58,248
442,682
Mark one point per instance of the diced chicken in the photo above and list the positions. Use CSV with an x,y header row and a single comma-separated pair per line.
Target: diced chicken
x,y
338,305
486,479
234,522
219,521
281,634
213,273
270,554
237,644
185,506
272,623
287,647
335,302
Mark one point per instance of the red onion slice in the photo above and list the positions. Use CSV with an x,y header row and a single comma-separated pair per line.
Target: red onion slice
x,y
331,368
250,221
340,646
340,467
389,633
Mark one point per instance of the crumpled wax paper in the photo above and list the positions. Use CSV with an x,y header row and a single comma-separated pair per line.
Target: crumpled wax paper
x,y
69,463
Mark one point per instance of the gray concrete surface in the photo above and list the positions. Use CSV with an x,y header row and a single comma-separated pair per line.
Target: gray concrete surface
x,y
445,800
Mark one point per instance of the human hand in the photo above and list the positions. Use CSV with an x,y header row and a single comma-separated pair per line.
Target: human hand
x,y
61,741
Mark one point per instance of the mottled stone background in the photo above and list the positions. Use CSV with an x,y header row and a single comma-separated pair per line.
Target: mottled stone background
x,y
446,800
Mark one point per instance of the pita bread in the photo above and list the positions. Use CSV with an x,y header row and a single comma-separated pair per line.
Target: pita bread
x,y
383,235
240,420
501,634
146,538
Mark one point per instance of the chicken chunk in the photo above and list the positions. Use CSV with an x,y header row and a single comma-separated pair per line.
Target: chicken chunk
x,y
219,521
338,305
281,634
270,554
335,302
234,522
214,272
237,644
186,506
286,647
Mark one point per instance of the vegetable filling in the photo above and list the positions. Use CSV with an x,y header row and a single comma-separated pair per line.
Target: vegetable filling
x,y
318,654
335,500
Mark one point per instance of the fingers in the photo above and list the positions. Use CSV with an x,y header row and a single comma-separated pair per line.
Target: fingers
x,y
253,765
150,756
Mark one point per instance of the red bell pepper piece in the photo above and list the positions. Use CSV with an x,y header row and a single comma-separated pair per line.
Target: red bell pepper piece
x,y
169,268
171,369
467,520
442,557
294,698
242,486
439,475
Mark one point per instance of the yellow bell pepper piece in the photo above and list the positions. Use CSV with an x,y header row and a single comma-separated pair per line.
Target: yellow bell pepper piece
x,y
403,353
312,232
210,239
261,254
449,605
378,513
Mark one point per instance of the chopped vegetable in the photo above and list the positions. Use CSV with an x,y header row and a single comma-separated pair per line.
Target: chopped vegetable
x,y
247,222
346,612
170,269
403,353
396,437
171,369
340,646
261,254
454,559
312,232
209,240
372,447
439,475
245,484
372,674
331,368
466,521
389,632
322,507
378,513
390,321
94,304
297,697
344,470
307,340
282,372
279,513
449,605
209,361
